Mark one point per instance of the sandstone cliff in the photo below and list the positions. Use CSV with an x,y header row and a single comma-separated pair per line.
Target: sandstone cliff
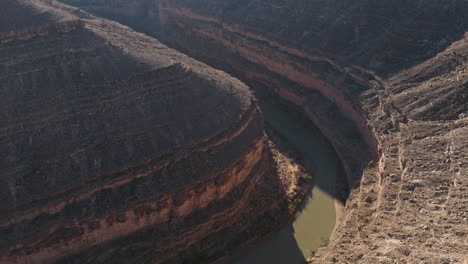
x,y
386,81
115,146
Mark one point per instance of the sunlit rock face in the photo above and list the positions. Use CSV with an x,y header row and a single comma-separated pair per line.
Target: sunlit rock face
x,y
386,81
114,146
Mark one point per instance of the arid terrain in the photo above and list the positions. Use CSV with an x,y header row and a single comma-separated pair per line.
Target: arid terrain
x,y
90,176
114,145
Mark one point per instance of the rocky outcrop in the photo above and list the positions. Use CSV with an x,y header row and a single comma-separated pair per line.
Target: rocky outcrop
x,y
115,146
385,81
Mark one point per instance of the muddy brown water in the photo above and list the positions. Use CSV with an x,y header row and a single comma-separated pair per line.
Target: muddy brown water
x,y
315,222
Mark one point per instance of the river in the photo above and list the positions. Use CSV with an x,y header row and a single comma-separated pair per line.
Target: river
x,y
314,224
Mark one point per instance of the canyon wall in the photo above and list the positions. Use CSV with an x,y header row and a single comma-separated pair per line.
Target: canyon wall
x,y
385,81
323,88
115,148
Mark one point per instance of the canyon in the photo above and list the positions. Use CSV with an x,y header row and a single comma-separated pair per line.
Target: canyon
x,y
90,176
385,81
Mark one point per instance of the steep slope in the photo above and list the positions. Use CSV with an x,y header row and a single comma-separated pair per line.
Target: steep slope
x,y
115,146
384,80
412,208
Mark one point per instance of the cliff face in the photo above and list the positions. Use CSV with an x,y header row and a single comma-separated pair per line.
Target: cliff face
x,y
115,146
385,81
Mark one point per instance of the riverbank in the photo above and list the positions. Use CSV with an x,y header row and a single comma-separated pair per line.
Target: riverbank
x,y
297,182
313,202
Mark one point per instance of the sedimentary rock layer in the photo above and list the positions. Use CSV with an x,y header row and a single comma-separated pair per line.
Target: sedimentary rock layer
x,y
320,86
115,146
385,81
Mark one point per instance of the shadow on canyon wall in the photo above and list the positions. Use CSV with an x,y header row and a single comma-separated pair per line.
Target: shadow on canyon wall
x,y
385,37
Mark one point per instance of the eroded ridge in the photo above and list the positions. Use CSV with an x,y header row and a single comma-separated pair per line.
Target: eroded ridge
x,y
111,143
